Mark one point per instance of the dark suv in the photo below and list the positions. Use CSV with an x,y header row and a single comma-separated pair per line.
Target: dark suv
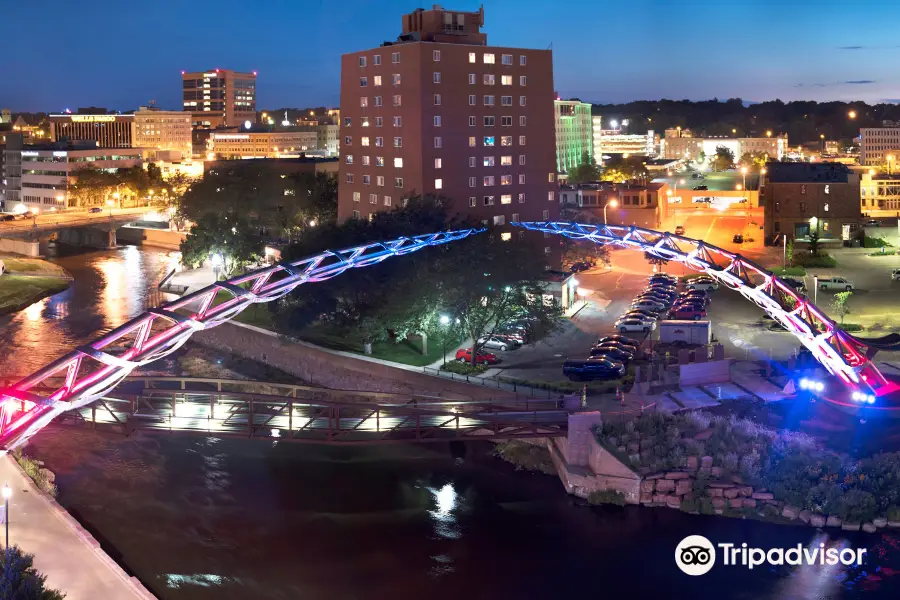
x,y
593,368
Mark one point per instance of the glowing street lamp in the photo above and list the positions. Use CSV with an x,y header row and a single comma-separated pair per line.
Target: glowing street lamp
x,y
744,175
890,163
614,203
444,320
768,133
852,114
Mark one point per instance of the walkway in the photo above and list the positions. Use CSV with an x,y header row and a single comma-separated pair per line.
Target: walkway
x,y
70,558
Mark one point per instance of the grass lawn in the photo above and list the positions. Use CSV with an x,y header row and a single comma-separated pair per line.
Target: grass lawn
x,y
18,292
31,266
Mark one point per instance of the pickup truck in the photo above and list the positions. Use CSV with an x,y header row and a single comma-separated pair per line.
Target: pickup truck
x,y
835,283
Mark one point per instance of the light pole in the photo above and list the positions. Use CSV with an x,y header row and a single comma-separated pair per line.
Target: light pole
x,y
444,320
890,163
7,492
109,204
614,203
744,176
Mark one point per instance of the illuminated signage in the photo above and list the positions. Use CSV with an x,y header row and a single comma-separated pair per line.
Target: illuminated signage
x,y
210,74
93,118
29,153
60,153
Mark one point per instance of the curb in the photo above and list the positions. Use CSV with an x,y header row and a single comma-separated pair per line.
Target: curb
x,y
80,532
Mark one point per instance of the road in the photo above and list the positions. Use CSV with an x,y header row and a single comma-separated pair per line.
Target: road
x,y
51,219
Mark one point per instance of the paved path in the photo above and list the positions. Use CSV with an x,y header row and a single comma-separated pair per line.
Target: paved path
x,y
71,559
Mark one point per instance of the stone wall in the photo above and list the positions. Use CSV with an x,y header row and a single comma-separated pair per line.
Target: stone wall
x,y
23,247
333,369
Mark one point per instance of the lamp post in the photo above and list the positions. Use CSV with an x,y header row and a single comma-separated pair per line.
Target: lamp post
x,y
744,176
7,492
444,320
614,203
109,204
890,163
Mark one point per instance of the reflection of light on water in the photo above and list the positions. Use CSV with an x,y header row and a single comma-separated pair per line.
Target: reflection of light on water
x,y
33,312
815,581
446,501
445,524
202,579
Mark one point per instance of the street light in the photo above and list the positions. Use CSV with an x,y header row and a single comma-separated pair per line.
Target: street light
x,y
614,203
110,203
768,133
7,492
852,114
217,262
890,161
444,320
744,175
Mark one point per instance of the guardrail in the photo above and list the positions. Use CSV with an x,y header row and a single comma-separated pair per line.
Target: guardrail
x,y
492,383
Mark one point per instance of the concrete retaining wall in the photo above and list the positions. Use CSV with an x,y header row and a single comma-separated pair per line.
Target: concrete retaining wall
x,y
716,371
24,247
160,238
333,369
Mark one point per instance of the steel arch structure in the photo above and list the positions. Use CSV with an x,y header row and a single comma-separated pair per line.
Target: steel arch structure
x,y
92,370
840,353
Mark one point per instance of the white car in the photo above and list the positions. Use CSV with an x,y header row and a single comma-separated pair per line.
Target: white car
x,y
626,324
705,284
895,275
835,283
496,343
649,304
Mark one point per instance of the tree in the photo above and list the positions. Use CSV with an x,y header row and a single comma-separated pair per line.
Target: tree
x,y
232,238
754,160
839,304
91,187
722,160
656,261
789,252
586,171
19,580
814,241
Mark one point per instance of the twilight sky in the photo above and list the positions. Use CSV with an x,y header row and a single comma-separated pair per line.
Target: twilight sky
x,y
119,54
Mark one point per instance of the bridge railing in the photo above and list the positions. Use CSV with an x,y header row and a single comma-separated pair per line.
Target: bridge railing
x,y
517,388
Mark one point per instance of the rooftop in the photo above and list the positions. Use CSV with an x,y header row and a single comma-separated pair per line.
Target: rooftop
x,y
799,172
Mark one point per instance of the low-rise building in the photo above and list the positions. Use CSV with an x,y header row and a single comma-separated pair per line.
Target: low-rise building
x,y
109,131
640,205
280,166
328,139
879,146
614,142
804,197
681,145
879,194
574,137
261,144
162,131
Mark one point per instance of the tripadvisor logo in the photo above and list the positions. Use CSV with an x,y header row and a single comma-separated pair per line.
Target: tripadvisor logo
x,y
696,555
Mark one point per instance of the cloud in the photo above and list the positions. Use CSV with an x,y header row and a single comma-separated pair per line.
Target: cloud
x,y
850,47
848,82
868,47
859,81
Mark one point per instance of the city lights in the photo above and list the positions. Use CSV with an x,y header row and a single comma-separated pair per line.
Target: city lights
x,y
812,385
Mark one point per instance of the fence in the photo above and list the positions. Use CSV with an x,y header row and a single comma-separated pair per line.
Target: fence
x,y
628,415
492,383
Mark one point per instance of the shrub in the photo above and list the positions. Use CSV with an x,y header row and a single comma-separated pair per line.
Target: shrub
x,y
20,580
893,513
525,456
463,368
874,242
705,506
607,497
42,477
822,261
790,271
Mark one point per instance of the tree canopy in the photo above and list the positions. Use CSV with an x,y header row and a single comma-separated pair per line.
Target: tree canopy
x,y
722,160
19,579
586,171
230,237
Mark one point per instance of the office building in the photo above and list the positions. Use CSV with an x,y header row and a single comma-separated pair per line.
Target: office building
x,y
109,131
162,131
39,177
219,97
879,194
804,197
441,112
244,143
611,142
574,135
328,140
879,145
680,144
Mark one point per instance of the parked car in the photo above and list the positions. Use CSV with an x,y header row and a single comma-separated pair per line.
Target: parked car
x,y
593,368
611,352
515,331
872,223
895,275
737,239
835,283
620,339
662,285
483,358
795,284
698,295
8,218
634,352
696,175
679,230
515,340
496,343
627,324
662,290
702,284
663,302
699,188
687,312
95,209
663,277
580,266
642,312
649,304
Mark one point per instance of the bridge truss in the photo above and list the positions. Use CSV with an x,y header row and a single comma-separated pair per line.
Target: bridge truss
x,y
91,371
841,354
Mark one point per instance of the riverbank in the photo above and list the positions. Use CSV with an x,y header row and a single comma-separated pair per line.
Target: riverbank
x,y
25,281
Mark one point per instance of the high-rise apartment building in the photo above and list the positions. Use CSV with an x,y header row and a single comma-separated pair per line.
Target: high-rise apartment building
x,y
109,131
162,131
574,136
441,112
219,97
877,144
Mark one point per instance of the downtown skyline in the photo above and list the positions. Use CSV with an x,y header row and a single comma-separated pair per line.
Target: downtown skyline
x,y
652,52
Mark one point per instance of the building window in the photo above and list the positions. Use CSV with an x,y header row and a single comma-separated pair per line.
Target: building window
x,y
522,121
367,179
395,78
521,159
471,78
355,214
499,219
398,121
379,161
489,79
550,177
437,120
506,121
471,161
472,182
506,180
521,197
347,140
397,100
347,121
489,121
437,142
378,101
349,159
376,80
523,81
471,99
472,121
378,121
373,198
362,61
505,100
364,141
488,140
437,163
803,207
363,102
356,196
379,142
506,80
471,142
521,178
436,55
506,59
506,140
349,177
438,184
364,121
365,161
488,100
521,140
379,180
522,60
551,195
436,77
546,215
471,57
521,100
363,81
488,161
506,199
387,200
488,59
506,160
395,58
488,200
515,217
376,60
488,180
398,163
472,201
398,182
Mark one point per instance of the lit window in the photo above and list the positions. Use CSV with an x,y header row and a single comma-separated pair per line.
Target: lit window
x,y
398,162
506,180
438,184
521,100
356,196
488,180
398,182
437,163
471,161
521,60
379,142
489,79
471,57
488,59
471,142
506,121
379,180
376,80
364,121
362,61
521,140
436,55
377,100
550,177
363,81
488,200
506,59
395,78
488,100
397,100
489,121
398,142
523,80
364,141
395,57
436,77
522,121
373,198
379,161
521,178
347,121
365,161
473,182
472,121
472,201
506,140
515,217
437,142
488,161
488,140
505,100
551,195
376,60
471,78
348,159
398,121
506,160
437,120
363,102
506,80
387,200
521,197
506,199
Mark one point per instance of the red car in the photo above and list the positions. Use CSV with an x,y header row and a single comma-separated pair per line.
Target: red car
x,y
484,358
687,312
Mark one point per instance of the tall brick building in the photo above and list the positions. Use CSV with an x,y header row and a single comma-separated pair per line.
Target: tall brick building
x,y
439,111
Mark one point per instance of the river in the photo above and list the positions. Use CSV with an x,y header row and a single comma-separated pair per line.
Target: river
x,y
199,518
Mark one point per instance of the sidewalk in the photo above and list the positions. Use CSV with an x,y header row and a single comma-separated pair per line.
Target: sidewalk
x,y
70,558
